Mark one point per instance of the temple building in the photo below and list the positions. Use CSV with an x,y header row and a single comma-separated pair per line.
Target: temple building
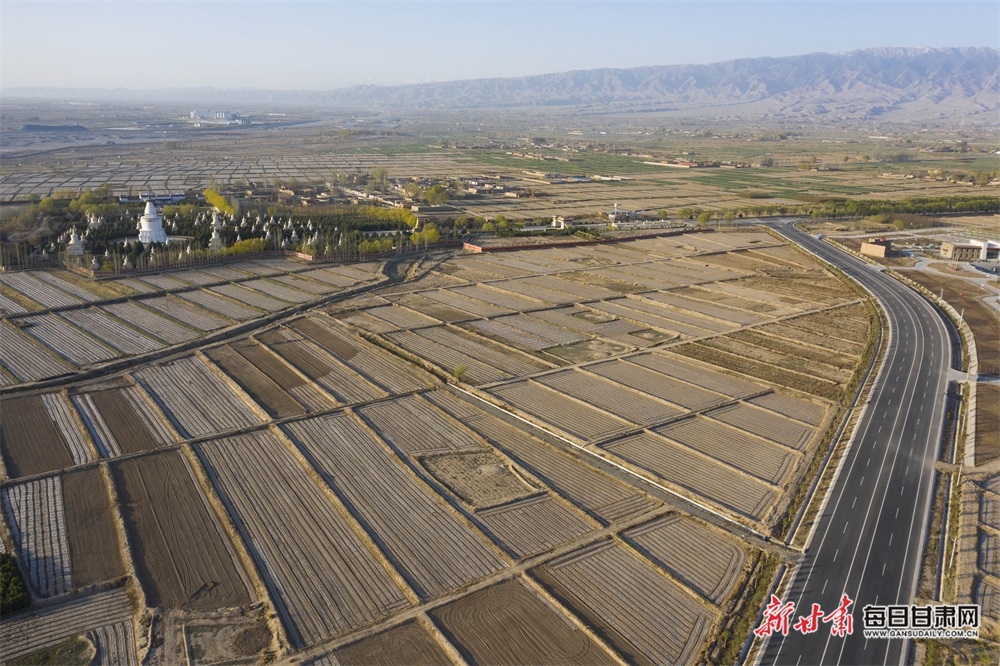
x,y
151,226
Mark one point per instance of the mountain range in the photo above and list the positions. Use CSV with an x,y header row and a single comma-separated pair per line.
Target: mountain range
x,y
891,84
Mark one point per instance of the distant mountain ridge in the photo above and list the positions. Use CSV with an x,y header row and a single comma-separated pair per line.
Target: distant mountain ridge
x,y
895,84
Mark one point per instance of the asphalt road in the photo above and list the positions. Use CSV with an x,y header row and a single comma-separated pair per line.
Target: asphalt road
x,y
869,538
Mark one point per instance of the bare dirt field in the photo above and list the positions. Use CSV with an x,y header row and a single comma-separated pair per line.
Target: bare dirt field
x,y
409,643
987,422
981,318
258,386
274,368
510,624
481,479
93,539
182,557
120,429
31,442
957,269
219,642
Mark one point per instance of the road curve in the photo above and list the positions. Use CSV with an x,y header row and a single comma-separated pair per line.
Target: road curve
x,y
870,535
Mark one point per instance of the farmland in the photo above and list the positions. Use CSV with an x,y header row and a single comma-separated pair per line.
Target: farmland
x,y
321,575
503,460
397,507
196,400
509,624
182,556
613,589
35,512
29,633
406,644
32,442
93,540
95,325
120,421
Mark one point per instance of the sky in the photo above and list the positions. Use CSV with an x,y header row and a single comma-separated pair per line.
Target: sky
x,y
323,45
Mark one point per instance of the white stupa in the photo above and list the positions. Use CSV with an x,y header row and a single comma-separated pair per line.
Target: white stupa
x,y
151,226
215,243
75,246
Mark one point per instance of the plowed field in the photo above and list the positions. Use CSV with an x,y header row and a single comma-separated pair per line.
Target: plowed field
x,y
406,644
115,424
258,386
30,441
510,624
93,539
648,618
182,557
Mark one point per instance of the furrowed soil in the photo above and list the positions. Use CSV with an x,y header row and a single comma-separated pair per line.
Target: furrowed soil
x,y
181,555
987,421
269,364
30,441
406,644
259,386
510,624
337,346
792,348
760,370
981,318
129,431
93,539
297,354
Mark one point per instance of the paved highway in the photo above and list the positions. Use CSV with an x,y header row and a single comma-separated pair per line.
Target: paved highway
x,y
870,535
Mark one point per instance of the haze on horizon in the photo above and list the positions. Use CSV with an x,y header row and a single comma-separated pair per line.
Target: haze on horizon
x,y
329,45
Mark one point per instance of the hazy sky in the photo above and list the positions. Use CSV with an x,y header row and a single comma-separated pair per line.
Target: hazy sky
x,y
330,44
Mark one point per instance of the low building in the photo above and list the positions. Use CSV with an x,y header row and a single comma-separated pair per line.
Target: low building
x,y
876,247
972,251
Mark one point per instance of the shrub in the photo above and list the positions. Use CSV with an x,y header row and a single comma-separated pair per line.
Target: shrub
x,y
247,246
13,593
